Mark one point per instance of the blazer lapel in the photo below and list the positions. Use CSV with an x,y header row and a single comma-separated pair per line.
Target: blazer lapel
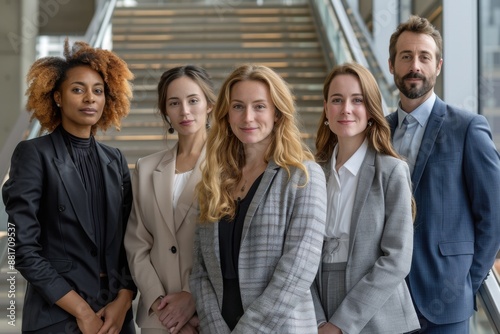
x,y
72,183
264,185
214,264
187,197
392,119
163,183
111,175
434,125
366,175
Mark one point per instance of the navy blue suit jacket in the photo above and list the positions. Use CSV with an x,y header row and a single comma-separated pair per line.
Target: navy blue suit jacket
x,y
456,184
56,250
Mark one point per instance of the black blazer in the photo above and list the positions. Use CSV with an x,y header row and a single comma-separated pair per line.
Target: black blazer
x,y
56,249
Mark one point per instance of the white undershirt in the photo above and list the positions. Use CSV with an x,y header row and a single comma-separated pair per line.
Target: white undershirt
x,y
341,189
180,181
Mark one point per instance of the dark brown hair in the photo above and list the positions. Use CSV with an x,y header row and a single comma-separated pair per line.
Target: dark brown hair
x,y
419,25
195,73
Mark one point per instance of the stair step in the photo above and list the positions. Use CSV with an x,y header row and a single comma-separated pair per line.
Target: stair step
x,y
188,10
230,47
237,27
221,70
154,38
195,22
284,59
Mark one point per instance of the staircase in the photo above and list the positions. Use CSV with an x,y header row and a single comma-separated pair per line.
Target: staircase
x,y
152,38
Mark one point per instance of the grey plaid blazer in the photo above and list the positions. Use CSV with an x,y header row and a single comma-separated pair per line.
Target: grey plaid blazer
x,y
279,256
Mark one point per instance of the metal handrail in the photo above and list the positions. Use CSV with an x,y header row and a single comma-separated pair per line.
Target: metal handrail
x,y
341,40
489,293
331,34
101,20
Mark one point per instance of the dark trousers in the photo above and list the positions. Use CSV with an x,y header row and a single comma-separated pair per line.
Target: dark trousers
x,y
69,326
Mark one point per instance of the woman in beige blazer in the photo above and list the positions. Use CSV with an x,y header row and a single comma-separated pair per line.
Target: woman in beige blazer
x,y
369,227
160,231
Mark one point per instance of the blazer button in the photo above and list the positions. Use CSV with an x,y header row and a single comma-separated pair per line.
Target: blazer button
x,y
93,252
173,249
61,208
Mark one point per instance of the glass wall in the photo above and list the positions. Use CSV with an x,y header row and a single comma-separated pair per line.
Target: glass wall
x,y
489,64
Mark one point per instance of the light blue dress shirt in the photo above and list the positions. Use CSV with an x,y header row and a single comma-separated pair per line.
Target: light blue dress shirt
x,y
410,130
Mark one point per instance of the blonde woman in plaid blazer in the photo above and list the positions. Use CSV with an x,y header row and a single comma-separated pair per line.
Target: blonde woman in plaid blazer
x,y
262,212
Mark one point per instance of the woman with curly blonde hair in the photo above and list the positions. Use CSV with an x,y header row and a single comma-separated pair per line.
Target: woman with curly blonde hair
x,y
262,212
69,197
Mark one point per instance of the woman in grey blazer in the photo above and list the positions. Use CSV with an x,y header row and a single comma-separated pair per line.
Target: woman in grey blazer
x,y
369,229
262,213
160,231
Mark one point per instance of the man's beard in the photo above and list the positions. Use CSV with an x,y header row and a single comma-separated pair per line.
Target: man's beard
x,y
413,92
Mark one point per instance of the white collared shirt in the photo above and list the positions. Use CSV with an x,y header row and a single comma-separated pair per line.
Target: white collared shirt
x,y
341,189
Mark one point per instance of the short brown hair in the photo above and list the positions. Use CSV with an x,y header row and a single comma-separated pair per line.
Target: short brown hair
x,y
419,25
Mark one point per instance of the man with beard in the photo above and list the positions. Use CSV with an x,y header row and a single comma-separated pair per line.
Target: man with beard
x,y
456,184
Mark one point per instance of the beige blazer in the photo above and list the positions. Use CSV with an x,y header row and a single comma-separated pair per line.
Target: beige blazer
x,y
158,239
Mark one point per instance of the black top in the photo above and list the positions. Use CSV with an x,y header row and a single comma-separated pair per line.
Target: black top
x,y
230,232
83,151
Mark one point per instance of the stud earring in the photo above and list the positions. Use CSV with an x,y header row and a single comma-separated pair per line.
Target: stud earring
x,y
326,123
370,123
58,105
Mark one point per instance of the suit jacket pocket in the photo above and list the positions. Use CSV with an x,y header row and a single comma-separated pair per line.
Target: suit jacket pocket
x,y
450,248
61,266
444,156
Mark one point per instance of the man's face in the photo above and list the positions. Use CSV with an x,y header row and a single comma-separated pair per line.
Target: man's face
x,y
415,67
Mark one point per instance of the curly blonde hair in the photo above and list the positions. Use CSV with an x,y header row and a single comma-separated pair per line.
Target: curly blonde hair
x,y
47,74
225,155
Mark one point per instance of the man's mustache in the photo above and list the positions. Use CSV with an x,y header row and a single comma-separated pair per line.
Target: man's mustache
x,y
414,75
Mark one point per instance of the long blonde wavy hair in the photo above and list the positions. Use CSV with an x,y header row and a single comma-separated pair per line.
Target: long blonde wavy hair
x,y
225,156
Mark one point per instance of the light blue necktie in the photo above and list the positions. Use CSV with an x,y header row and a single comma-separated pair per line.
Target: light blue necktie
x,y
408,127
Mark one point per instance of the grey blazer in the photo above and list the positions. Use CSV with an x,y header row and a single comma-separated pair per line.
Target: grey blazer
x,y
279,257
380,252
